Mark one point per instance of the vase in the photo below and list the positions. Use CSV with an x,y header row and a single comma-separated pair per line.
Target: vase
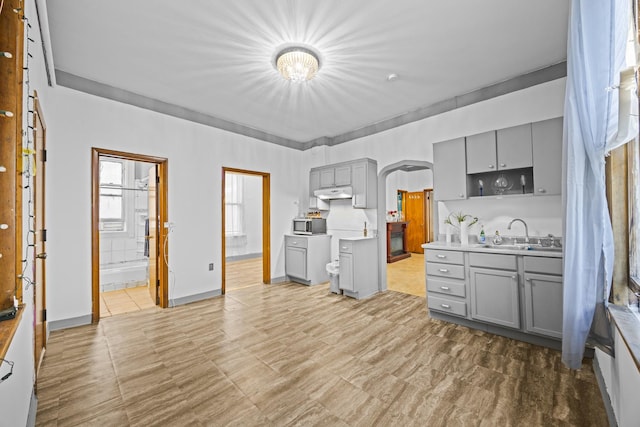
x,y
464,233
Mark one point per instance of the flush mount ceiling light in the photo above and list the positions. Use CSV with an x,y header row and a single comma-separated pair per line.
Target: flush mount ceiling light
x,y
297,64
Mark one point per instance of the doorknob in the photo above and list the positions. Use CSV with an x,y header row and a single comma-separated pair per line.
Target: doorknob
x,y
42,255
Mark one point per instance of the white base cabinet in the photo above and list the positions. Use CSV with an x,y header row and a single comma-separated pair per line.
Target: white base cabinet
x,y
358,275
306,258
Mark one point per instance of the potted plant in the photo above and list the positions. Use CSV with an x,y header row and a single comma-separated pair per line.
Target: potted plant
x,y
462,222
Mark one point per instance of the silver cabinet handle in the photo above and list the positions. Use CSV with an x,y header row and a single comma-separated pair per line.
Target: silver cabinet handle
x,y
445,306
461,195
491,166
514,277
441,256
294,243
528,279
541,190
444,288
344,247
443,270
502,165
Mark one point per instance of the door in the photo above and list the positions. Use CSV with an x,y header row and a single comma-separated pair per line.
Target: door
x,y
543,296
152,237
296,262
450,170
428,216
481,152
345,277
514,147
40,335
415,218
495,297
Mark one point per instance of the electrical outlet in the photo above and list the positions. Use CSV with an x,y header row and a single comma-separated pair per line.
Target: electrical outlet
x,y
211,267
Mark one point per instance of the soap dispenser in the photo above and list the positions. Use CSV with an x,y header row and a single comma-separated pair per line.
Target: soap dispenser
x,y
497,239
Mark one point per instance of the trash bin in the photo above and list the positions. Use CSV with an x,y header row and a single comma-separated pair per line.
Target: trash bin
x,y
333,268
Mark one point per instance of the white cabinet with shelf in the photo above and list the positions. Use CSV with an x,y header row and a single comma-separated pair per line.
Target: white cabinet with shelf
x,y
481,152
361,175
358,275
306,258
449,170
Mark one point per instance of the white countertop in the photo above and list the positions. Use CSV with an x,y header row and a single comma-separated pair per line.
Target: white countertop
x,y
357,238
325,235
493,250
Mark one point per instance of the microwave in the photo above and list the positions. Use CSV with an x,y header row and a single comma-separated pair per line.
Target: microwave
x,y
309,226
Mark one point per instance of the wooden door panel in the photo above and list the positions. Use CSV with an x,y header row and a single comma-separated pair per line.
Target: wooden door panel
x,y
415,218
152,237
40,335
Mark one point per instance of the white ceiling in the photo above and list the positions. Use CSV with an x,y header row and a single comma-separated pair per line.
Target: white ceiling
x,y
216,57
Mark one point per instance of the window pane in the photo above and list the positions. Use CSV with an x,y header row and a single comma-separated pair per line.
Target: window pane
x,y
106,191
110,207
110,172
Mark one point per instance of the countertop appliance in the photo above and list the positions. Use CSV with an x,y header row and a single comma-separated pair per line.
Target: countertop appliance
x,y
309,226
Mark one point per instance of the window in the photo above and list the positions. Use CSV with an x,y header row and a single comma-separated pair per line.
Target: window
x,y
234,208
112,213
634,217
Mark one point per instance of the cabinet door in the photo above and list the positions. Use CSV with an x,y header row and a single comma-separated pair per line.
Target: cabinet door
x,y
514,147
481,152
360,185
327,178
346,272
494,296
342,176
547,156
449,170
295,261
314,182
543,297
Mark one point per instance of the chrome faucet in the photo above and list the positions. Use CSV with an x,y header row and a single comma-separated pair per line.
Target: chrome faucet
x,y
526,229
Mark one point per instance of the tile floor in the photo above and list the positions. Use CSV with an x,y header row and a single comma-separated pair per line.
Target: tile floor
x,y
125,301
407,276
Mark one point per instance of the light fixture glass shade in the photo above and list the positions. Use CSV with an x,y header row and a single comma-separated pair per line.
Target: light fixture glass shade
x,y
297,64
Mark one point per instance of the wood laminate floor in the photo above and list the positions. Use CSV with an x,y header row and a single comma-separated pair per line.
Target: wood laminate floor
x,y
407,276
243,273
288,354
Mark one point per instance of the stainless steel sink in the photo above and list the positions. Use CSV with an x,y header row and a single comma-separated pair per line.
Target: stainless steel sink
x,y
522,247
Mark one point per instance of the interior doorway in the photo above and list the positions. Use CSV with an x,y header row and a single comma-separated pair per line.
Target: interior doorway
x,y
411,269
246,243
129,245
417,208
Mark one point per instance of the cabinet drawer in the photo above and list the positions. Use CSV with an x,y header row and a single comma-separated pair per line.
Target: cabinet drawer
x,y
459,308
346,246
447,287
536,264
298,242
447,257
445,270
504,262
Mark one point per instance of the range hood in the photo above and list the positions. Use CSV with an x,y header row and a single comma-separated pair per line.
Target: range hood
x,y
334,193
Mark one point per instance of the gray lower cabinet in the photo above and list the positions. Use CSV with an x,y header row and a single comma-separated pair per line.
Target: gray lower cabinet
x,y
358,275
446,285
306,258
495,297
543,296
516,295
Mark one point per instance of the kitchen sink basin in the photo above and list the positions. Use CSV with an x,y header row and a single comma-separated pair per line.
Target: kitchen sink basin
x,y
522,247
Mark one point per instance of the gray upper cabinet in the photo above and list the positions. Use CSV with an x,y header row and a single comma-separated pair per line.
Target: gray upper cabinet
x,y
481,152
547,156
327,178
514,147
314,181
450,170
342,175
365,184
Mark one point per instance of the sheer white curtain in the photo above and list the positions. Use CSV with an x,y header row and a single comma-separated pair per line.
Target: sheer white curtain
x,y
598,32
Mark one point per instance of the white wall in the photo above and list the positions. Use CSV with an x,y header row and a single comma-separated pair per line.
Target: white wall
x,y
622,380
414,141
196,155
